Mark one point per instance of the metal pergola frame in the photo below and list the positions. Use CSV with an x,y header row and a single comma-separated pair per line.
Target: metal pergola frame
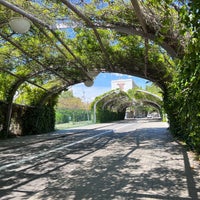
x,y
73,69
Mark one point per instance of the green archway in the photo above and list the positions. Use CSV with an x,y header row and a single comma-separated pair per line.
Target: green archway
x,y
110,106
68,40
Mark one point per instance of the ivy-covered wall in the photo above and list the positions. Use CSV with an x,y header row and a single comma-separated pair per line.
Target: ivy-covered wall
x,y
38,120
26,120
2,114
182,98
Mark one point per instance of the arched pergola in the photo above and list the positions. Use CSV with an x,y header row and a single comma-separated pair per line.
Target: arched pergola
x,y
69,39
112,103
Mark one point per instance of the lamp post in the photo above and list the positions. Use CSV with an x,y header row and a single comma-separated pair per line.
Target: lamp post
x,y
95,104
92,75
89,83
20,24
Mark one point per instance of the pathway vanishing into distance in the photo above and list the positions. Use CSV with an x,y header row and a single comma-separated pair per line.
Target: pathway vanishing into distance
x,y
131,159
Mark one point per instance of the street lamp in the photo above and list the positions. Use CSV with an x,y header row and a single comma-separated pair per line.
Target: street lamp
x,y
20,24
92,75
89,83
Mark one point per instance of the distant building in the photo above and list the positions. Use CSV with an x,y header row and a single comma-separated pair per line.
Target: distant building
x,y
123,84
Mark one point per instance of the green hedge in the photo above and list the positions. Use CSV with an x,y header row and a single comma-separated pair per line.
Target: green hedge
x,y
182,98
66,115
38,120
103,116
184,116
28,120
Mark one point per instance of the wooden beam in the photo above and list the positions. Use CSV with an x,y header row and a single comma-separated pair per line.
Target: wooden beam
x,y
81,67
91,25
25,79
30,56
139,14
51,28
129,30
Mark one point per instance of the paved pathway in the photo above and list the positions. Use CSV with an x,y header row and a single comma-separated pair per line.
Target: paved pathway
x,y
163,169
141,164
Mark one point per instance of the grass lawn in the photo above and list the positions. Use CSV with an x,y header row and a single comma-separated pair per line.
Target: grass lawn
x,y
72,124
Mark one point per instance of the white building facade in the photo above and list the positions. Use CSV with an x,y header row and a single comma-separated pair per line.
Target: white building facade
x,y
123,84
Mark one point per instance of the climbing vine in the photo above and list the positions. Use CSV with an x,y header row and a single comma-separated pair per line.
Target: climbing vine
x,y
183,95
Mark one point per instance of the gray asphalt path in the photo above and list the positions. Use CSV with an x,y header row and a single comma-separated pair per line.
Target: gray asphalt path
x,y
127,160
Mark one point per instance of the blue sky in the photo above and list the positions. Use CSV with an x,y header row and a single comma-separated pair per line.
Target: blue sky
x,y
102,84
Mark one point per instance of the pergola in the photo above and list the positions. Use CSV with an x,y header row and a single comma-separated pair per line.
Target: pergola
x,y
72,41
148,98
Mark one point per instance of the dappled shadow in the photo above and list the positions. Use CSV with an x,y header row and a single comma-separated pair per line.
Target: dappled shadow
x,y
30,145
12,179
143,164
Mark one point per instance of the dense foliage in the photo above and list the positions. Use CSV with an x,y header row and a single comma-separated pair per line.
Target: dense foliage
x,y
110,106
182,99
70,108
148,100
109,116
67,115
38,120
